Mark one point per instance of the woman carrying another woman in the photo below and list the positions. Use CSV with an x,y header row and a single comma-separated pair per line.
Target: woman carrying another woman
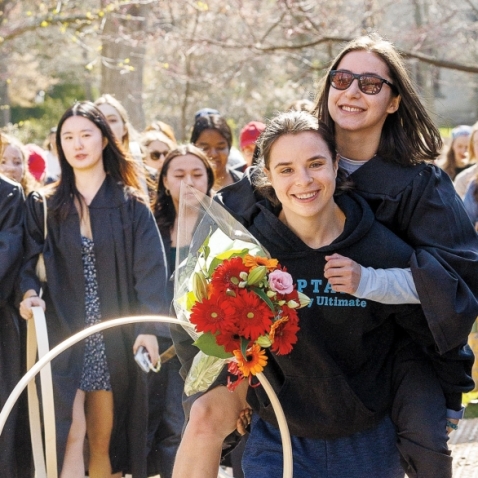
x,y
305,223
104,259
212,134
387,142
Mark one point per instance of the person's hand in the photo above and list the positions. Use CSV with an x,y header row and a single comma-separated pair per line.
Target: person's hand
x,y
30,299
244,421
342,273
150,343
455,421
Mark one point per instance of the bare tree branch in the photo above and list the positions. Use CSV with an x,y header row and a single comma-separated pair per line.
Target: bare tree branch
x,y
431,60
451,65
472,6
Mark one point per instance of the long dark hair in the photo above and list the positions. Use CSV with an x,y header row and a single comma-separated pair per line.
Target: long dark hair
x,y
115,161
163,207
408,135
292,122
216,122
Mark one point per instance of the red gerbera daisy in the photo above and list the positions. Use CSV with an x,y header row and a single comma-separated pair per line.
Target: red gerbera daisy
x,y
227,275
284,335
210,315
229,339
252,315
290,313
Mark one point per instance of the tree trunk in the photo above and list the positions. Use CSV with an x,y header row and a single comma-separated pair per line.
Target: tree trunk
x,y
123,60
5,114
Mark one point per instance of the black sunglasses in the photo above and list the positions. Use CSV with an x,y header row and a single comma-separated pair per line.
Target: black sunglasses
x,y
368,83
155,155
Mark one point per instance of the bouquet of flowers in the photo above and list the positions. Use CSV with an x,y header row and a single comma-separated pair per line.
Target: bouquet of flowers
x,y
240,301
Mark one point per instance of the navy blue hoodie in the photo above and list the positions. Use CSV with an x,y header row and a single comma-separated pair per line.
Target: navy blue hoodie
x,y
337,379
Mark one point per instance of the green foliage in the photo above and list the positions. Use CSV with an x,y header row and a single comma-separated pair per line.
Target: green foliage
x,y
470,401
207,343
472,410
32,124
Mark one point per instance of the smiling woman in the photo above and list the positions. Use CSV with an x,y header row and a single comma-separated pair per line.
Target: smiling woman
x,y
302,171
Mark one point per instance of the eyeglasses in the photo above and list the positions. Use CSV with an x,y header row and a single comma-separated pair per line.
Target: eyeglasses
x,y
156,155
369,84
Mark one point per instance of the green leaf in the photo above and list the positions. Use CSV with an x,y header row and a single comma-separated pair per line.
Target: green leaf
x,y
207,344
244,344
214,264
232,253
263,296
224,256
204,249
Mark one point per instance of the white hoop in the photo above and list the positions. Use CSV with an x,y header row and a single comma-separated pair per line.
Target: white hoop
x,y
47,358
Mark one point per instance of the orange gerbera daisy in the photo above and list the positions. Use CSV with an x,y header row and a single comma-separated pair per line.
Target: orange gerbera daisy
x,y
255,261
255,361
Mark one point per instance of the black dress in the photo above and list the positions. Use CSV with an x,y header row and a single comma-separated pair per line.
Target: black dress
x,y
95,374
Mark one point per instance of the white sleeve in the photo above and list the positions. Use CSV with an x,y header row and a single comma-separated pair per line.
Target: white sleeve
x,y
387,286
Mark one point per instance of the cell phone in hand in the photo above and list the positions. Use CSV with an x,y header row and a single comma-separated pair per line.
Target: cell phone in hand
x,y
142,359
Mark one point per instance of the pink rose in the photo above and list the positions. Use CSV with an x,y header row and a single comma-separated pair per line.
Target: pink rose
x,y
281,282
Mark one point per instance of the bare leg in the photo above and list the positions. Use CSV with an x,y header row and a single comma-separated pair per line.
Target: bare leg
x,y
213,417
99,424
73,462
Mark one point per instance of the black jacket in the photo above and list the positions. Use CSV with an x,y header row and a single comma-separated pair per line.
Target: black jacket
x,y
131,275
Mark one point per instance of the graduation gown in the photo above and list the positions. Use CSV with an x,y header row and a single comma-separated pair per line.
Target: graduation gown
x,y
419,204
11,326
131,276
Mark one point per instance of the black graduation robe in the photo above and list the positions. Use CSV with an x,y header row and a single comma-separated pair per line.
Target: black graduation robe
x,y
131,275
419,204
11,326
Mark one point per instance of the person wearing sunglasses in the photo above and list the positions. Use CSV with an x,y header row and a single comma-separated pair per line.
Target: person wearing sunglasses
x,y
387,143
156,145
